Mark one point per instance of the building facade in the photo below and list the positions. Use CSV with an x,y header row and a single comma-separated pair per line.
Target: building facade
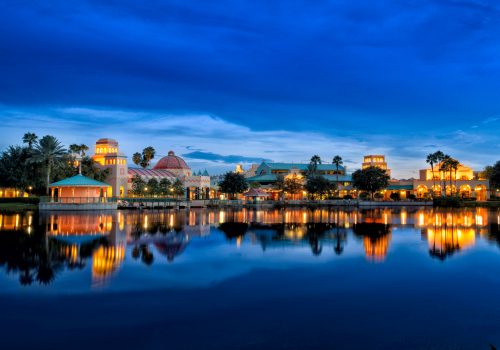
x,y
171,167
375,160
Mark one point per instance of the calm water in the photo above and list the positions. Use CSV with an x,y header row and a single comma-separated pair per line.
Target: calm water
x,y
251,279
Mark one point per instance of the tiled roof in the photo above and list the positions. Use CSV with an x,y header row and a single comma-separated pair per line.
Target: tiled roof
x,y
150,172
79,181
400,187
262,178
302,166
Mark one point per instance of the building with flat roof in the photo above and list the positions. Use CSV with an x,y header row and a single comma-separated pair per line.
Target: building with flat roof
x,y
375,160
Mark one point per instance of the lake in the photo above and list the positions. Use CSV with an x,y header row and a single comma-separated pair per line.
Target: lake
x,y
251,279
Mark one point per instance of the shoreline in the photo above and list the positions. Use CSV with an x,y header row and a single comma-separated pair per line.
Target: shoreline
x,y
15,207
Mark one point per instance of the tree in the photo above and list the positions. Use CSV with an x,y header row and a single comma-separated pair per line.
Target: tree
x,y
137,158
138,185
440,156
492,173
153,187
432,159
318,185
90,169
337,161
371,180
233,183
165,186
312,168
144,159
279,185
293,184
47,152
30,138
14,168
178,188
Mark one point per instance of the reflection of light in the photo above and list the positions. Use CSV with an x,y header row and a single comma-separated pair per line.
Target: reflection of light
x,y
222,217
121,221
376,249
145,222
304,217
238,241
479,220
403,218
385,218
421,219
171,220
106,259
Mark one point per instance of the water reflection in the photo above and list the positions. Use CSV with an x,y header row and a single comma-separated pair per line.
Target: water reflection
x,y
39,247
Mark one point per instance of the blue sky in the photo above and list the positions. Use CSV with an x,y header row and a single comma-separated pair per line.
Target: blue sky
x,y
229,81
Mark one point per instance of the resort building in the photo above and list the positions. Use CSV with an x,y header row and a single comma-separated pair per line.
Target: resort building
x,y
170,167
375,160
464,182
12,193
267,173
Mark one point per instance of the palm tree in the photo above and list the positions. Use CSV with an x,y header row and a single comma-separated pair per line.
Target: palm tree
x,y
83,148
30,138
432,159
440,156
454,164
337,160
445,167
48,151
313,164
137,158
148,154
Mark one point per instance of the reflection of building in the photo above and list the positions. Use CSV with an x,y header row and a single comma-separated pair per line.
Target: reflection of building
x,y
375,160
77,230
448,232
170,167
376,248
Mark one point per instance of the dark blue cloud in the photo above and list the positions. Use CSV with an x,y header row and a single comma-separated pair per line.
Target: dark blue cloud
x,y
353,68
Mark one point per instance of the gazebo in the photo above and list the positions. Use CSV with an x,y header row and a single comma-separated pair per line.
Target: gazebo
x,y
78,193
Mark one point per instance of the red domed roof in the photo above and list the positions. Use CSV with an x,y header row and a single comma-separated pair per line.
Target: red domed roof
x,y
171,162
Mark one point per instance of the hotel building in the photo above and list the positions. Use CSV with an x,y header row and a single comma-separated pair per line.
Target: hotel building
x,y
170,167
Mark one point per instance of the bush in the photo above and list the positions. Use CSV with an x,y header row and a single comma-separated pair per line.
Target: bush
x,y
348,196
395,196
412,196
364,195
378,195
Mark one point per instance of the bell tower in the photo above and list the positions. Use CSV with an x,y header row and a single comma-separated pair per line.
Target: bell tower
x,y
107,155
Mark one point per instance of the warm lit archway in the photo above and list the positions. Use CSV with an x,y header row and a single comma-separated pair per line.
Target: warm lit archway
x,y
437,190
480,192
465,191
422,191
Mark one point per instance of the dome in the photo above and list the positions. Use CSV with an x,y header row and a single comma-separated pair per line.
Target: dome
x,y
171,162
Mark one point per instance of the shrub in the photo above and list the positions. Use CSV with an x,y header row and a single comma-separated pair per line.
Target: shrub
x,y
412,196
395,196
347,196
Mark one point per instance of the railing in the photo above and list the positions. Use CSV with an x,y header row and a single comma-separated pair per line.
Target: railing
x,y
77,200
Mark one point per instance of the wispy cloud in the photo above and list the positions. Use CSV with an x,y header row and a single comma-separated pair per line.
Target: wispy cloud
x,y
217,144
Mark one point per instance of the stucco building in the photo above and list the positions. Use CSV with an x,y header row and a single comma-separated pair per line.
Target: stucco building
x,y
170,167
